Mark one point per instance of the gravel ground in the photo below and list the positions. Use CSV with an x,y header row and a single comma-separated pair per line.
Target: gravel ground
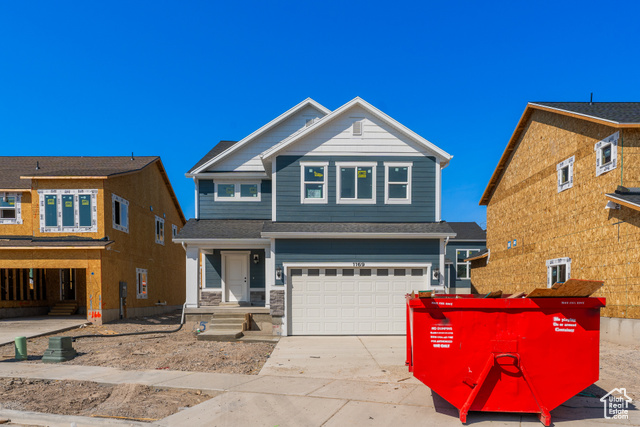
x,y
176,351
92,399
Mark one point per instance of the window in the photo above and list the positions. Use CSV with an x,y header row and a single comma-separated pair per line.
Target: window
x,y
606,154
120,213
141,283
10,208
463,268
397,183
356,183
331,272
565,174
237,192
68,211
174,231
357,127
159,230
558,271
313,182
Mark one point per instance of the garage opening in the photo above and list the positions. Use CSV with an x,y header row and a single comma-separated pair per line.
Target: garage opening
x,y
352,301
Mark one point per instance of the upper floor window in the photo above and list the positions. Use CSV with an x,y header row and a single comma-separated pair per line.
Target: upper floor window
x,y
174,231
68,211
120,213
313,182
565,174
356,183
397,183
237,191
606,154
159,230
463,268
10,208
558,271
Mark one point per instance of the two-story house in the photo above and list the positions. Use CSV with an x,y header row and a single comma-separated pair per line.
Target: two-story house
x,y
554,209
91,234
325,218
470,241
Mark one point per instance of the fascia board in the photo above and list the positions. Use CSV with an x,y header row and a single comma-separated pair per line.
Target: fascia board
x,y
285,235
260,131
442,156
623,202
223,242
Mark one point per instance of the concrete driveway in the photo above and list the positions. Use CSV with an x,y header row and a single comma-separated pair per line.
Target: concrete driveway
x,y
364,358
36,326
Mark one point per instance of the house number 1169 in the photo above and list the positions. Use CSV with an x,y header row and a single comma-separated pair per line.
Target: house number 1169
x,y
358,264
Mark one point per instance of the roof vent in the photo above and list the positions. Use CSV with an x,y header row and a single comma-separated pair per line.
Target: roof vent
x,y
591,100
132,158
37,165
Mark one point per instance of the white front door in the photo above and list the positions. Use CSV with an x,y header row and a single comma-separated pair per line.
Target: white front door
x,y
235,276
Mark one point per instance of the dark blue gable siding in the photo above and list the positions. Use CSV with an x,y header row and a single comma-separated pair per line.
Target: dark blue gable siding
x,y
450,254
289,208
210,209
353,250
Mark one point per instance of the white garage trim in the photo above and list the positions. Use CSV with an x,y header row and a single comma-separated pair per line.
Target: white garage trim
x,y
287,267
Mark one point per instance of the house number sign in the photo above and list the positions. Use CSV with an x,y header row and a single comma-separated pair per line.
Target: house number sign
x,y
358,264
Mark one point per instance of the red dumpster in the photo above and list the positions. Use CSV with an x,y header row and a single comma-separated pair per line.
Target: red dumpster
x,y
504,355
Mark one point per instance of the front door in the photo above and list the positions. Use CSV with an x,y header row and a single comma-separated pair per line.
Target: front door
x,y
67,284
236,276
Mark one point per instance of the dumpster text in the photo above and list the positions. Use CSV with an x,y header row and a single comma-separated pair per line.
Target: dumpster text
x,y
564,325
441,336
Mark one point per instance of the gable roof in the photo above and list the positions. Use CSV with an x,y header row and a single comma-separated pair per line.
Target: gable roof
x,y
442,155
16,171
217,149
468,231
614,114
282,117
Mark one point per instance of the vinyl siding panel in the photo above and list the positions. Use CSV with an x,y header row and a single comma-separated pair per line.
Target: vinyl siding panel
x,y
362,250
213,270
289,208
248,157
211,209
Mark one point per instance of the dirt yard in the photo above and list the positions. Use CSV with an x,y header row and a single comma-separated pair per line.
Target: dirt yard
x,y
177,351
85,398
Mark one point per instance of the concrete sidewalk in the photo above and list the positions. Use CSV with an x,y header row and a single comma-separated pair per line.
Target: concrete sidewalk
x,y
268,400
36,326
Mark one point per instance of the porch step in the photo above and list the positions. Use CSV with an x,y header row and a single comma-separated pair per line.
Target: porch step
x,y
226,326
236,304
217,335
64,308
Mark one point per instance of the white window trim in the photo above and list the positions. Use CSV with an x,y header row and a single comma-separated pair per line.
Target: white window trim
x,y
325,192
122,201
236,191
566,163
161,221
388,165
340,200
139,293
554,263
17,207
467,263
613,140
76,211
174,231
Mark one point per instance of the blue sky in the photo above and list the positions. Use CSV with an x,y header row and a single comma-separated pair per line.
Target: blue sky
x,y
174,78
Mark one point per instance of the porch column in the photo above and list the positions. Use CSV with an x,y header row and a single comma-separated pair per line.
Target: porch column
x,y
193,276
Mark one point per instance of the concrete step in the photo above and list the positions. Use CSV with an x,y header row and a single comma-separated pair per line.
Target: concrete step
x,y
212,335
217,320
225,327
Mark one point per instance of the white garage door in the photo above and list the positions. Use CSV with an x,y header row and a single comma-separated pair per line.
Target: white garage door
x,y
352,301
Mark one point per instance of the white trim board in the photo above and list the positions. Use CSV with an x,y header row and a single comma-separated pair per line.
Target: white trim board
x,y
282,117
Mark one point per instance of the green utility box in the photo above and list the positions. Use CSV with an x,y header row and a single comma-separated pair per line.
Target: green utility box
x,y
60,350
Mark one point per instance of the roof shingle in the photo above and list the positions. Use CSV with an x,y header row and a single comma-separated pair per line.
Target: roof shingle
x,y
217,149
468,231
619,112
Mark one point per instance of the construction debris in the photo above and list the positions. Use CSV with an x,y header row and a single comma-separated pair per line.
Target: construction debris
x,y
572,288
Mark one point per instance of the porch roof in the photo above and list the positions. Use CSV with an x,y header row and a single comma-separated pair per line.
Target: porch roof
x,y
30,242
221,229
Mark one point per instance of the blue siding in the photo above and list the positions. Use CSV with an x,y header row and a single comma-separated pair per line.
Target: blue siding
x,y
363,250
289,208
210,209
213,269
452,247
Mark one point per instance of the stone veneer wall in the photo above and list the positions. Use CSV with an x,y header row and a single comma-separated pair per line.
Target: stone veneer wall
x,y
209,299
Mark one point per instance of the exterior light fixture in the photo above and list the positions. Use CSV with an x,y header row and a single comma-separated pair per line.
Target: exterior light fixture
x,y
436,273
279,273
256,258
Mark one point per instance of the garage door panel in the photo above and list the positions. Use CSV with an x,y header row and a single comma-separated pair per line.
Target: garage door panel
x,y
348,305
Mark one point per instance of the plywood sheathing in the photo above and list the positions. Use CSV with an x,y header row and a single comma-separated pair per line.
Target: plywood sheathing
x,y
546,224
